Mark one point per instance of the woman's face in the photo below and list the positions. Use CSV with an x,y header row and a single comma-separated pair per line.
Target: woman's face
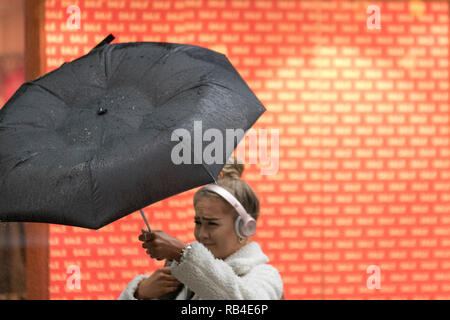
x,y
214,227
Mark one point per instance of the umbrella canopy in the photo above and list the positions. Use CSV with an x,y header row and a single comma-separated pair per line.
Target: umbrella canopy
x,y
93,140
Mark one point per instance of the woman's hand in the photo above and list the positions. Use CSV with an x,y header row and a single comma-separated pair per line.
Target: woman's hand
x,y
161,245
158,284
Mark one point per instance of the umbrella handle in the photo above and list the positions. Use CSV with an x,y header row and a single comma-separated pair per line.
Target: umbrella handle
x,y
145,220
168,262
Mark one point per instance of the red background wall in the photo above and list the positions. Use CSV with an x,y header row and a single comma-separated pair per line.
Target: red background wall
x,y
363,117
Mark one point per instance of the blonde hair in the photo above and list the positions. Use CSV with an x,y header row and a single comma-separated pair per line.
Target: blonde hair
x,y
230,179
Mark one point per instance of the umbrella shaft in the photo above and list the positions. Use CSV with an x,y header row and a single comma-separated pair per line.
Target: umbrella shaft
x,y
145,220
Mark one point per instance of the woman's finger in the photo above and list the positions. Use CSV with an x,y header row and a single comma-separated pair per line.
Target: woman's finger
x,y
143,235
166,276
169,289
146,244
146,236
166,270
149,246
170,283
169,277
172,280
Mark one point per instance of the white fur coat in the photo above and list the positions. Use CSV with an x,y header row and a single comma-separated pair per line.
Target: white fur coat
x,y
243,275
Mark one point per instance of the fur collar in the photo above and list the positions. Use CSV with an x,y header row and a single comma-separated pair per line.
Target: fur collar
x,y
249,256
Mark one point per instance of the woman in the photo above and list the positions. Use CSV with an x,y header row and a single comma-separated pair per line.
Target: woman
x,y
222,263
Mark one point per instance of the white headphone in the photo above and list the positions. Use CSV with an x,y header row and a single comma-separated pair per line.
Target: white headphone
x,y
244,225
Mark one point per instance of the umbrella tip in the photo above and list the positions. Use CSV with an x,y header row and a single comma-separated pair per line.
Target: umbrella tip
x,y
107,40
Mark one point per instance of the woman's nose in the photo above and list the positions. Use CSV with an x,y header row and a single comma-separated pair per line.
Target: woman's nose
x,y
202,233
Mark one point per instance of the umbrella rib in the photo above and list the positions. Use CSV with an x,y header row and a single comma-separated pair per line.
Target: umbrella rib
x,y
93,191
209,84
167,53
52,93
209,173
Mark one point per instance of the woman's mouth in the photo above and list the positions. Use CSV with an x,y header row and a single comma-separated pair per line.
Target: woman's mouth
x,y
208,244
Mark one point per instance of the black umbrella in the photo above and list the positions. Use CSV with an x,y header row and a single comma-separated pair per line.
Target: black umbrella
x,y
93,140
